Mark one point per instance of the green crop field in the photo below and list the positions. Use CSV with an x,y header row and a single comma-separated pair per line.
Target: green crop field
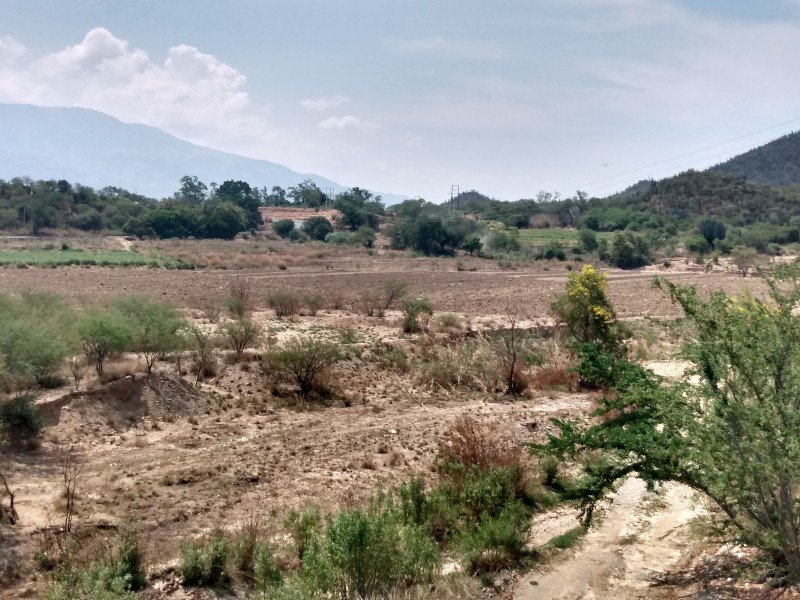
x,y
543,236
104,258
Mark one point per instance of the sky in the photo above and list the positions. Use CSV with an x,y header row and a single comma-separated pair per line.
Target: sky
x,y
509,97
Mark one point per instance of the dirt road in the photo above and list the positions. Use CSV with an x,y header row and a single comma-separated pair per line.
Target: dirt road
x,y
641,535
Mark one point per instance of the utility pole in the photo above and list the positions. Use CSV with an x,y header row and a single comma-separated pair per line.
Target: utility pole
x,y
455,192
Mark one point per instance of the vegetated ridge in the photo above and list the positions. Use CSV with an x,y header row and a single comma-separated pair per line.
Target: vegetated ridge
x,y
776,163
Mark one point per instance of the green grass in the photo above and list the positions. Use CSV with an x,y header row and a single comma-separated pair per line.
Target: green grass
x,y
568,539
103,258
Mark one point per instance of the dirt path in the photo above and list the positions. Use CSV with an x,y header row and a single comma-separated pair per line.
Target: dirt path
x,y
641,535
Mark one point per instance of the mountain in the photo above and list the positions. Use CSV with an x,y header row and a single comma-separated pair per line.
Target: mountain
x,y
95,149
775,164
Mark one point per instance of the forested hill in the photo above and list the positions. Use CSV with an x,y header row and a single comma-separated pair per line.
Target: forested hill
x,y
707,193
776,163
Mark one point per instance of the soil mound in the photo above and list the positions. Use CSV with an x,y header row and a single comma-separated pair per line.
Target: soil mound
x,y
124,404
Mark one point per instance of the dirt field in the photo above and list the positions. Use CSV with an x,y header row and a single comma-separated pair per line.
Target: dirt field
x,y
182,460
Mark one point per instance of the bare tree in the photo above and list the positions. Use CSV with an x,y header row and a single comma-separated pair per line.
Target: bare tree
x,y
509,345
71,464
78,368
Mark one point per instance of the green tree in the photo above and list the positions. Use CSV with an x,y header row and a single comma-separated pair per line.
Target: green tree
x,y
240,334
629,251
317,228
102,333
224,221
728,430
192,190
588,239
472,245
283,227
154,326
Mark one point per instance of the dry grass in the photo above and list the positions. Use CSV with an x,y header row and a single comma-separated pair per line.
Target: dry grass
x,y
124,367
475,444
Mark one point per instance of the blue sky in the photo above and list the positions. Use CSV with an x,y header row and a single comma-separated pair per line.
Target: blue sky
x,y
507,97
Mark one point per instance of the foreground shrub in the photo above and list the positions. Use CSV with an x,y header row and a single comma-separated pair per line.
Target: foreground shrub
x,y
204,563
497,542
367,553
102,333
732,438
154,326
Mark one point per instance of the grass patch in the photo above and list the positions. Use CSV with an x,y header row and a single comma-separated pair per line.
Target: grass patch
x,y
568,539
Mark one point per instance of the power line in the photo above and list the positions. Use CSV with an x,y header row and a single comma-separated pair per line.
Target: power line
x,y
565,190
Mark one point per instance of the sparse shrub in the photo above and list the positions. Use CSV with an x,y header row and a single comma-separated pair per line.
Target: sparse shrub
x,y
204,563
412,309
470,364
211,309
393,291
370,302
201,350
335,300
285,303
240,335
239,298
390,356
305,360
473,444
313,302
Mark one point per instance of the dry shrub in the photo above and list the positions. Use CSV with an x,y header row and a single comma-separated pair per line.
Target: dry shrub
x,y
211,309
336,299
470,364
119,369
475,444
371,303
556,369
285,303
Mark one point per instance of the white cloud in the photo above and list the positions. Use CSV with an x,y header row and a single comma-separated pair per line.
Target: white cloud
x,y
191,94
10,49
347,122
324,103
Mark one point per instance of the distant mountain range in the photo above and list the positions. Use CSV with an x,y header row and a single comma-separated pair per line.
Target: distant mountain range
x,y
775,164
95,149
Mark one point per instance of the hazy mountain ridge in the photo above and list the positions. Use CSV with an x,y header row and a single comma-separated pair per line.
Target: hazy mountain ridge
x,y
95,149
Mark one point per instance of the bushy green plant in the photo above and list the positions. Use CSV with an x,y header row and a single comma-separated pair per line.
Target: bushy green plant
x,y
283,227
20,418
154,326
412,309
304,526
317,228
496,542
204,563
267,575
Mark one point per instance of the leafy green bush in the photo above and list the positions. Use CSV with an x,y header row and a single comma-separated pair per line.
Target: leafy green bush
x,y
317,228
240,334
496,542
20,418
283,227
204,564
412,308
367,553
472,245
102,333
304,526
629,251
154,326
